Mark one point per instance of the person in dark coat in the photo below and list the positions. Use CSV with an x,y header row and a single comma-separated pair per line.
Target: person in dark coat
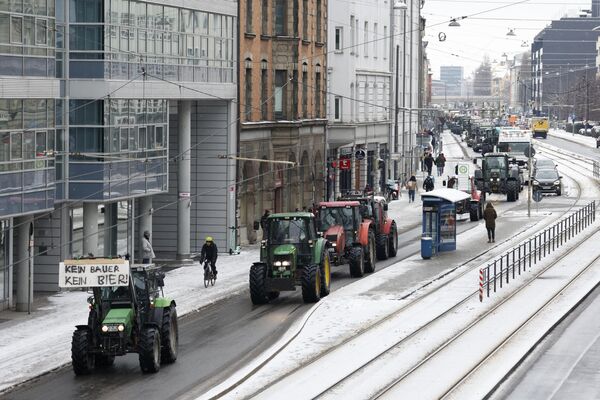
x,y
489,215
440,163
263,223
428,184
428,163
209,252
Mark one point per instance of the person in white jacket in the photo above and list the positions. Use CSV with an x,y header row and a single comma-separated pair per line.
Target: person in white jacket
x,y
147,251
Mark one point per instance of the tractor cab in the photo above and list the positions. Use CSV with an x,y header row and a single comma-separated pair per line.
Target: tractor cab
x,y
291,237
335,218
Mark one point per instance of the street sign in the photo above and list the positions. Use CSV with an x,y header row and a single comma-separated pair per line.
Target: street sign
x,y
360,154
537,196
345,164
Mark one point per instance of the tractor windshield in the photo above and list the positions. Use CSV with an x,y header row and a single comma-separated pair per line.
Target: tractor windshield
x,y
513,147
495,163
115,294
341,216
289,231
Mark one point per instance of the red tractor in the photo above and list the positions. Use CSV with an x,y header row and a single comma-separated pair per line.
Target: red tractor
x,y
374,208
352,238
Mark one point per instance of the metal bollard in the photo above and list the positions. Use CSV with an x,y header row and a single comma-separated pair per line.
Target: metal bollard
x,y
487,272
481,285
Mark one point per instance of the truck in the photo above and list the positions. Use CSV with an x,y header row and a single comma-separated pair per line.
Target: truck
x,y
128,313
351,236
540,127
516,143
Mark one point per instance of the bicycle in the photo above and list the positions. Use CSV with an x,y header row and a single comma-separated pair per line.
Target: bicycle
x,y
209,277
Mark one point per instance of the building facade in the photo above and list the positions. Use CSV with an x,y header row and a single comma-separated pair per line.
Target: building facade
x,y
138,101
283,81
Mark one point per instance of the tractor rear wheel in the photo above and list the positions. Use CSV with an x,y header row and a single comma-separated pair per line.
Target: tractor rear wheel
x,y
81,356
104,360
258,284
393,245
169,335
149,350
511,191
311,284
370,259
382,247
325,271
357,262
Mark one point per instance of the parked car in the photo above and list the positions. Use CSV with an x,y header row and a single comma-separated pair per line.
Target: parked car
x,y
547,181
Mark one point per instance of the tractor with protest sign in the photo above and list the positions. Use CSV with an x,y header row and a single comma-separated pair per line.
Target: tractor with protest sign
x,y
128,314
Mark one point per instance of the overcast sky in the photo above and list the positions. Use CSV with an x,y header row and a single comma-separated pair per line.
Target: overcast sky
x,y
486,33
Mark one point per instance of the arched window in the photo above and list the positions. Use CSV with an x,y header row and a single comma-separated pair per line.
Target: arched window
x,y
248,89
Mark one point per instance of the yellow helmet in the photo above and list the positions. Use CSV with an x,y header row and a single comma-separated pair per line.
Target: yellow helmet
x,y
208,239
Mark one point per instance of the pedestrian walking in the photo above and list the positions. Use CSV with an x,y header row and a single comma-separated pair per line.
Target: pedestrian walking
x,y
428,183
147,251
489,215
440,163
423,157
428,163
411,186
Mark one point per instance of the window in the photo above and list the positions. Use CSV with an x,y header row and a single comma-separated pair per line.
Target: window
x,y
337,108
318,92
339,32
264,90
295,20
160,137
356,37
16,145
280,17
375,41
40,144
41,31
249,16
295,94
304,91
265,17
319,26
366,39
352,43
142,138
305,18
280,93
124,139
352,101
385,42
16,29
248,94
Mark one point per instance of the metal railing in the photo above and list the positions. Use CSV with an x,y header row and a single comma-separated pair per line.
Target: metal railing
x,y
511,264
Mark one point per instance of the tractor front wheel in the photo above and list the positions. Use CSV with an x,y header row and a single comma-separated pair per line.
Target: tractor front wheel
x,y
81,356
169,335
149,350
356,259
311,284
393,245
325,271
371,249
258,284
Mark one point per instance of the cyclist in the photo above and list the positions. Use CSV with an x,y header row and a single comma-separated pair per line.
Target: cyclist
x,y
209,252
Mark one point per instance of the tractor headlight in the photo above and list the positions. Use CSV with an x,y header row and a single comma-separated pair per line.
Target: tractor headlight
x,y
333,244
104,328
121,328
277,263
285,263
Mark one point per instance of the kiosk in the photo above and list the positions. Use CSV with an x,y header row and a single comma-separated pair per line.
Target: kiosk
x,y
439,220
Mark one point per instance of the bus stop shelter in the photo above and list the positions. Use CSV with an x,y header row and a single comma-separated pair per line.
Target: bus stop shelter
x,y
439,220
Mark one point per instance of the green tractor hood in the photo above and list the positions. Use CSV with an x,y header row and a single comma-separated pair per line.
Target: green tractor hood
x,y
118,316
285,250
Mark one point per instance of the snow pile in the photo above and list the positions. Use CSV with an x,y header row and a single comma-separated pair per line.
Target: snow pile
x,y
577,138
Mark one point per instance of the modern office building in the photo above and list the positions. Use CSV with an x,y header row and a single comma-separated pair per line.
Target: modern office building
x,y
283,78
114,113
452,76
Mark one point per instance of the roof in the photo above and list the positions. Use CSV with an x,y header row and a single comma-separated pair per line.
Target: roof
x,y
299,214
333,204
451,195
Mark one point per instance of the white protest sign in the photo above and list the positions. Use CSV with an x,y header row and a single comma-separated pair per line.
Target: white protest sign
x,y
93,273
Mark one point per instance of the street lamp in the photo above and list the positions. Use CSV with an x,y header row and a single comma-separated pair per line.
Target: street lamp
x,y
453,22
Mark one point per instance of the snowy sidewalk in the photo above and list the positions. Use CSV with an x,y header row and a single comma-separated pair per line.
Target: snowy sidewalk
x,y
576,138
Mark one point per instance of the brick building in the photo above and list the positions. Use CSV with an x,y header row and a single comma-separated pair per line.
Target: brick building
x,y
282,107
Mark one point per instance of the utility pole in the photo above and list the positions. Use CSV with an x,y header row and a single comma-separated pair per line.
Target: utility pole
x,y
396,109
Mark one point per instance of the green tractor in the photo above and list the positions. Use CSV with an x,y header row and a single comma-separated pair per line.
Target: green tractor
x,y
292,255
499,175
133,316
